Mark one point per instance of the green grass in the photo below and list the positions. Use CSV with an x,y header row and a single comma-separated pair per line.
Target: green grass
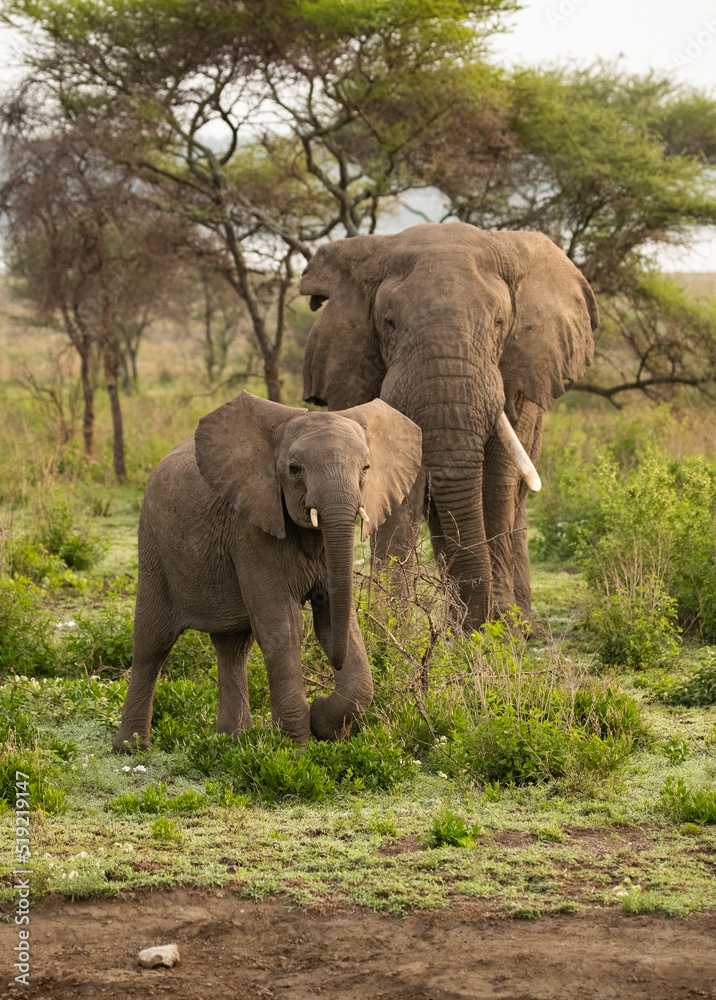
x,y
403,814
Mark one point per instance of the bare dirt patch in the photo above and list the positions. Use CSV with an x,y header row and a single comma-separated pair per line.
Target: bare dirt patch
x,y
239,949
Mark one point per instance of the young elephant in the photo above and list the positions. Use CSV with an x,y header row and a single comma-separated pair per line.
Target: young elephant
x,y
244,523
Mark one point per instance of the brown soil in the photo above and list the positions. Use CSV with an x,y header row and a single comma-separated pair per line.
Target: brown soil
x,y
232,948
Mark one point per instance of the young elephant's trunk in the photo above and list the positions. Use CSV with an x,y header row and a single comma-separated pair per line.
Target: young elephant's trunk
x,y
337,524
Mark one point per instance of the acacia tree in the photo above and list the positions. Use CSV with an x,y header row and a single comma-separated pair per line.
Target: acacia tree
x,y
610,166
210,99
81,237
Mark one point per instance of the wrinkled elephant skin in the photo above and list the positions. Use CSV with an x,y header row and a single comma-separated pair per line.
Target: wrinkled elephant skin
x,y
453,326
240,526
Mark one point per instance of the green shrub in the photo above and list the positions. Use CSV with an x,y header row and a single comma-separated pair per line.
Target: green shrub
x,y
676,750
275,772
192,657
698,688
659,529
33,560
686,805
101,643
165,829
567,511
183,710
154,799
28,767
26,645
449,830
370,760
527,749
59,531
264,763
636,629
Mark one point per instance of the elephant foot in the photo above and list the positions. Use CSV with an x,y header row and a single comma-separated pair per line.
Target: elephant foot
x,y
327,723
132,743
234,728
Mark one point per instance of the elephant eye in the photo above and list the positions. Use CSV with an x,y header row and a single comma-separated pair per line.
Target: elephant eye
x,y
390,324
295,469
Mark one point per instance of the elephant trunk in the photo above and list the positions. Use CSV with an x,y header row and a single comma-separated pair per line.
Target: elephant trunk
x,y
337,523
456,423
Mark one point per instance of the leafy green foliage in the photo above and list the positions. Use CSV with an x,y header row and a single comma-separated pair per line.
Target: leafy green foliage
x,y
154,799
102,642
676,750
166,829
688,805
696,689
274,769
25,630
636,630
266,764
449,830
40,793
568,508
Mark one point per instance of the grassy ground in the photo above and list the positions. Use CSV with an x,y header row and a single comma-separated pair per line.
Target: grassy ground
x,y
555,844
538,848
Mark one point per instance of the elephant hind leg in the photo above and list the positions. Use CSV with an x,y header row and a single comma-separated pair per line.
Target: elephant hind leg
x,y
232,653
152,644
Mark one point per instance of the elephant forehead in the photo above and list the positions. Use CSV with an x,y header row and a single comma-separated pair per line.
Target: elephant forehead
x,y
315,433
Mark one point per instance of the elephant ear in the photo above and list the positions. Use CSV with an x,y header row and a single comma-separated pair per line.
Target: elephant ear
x,y
343,365
234,447
555,313
395,444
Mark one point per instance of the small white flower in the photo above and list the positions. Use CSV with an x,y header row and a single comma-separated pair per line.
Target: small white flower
x,y
46,855
127,768
441,774
72,875
117,845
140,767
83,854
128,847
418,762
70,624
64,875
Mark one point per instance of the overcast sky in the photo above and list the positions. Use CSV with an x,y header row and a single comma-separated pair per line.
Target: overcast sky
x,y
679,38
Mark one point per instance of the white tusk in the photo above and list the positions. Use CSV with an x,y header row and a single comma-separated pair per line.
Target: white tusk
x,y
512,443
314,517
361,511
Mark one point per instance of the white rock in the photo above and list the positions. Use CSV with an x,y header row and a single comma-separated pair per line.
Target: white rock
x,y
163,954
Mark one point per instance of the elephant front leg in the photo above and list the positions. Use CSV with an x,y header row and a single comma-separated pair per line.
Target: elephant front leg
x,y
232,653
332,716
504,504
280,641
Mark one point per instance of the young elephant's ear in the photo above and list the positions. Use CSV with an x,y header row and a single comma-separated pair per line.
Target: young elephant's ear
x,y
234,447
396,453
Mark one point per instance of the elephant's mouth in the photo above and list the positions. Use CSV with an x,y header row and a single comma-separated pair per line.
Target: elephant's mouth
x,y
310,514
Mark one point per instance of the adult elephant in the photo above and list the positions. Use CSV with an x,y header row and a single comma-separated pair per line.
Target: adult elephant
x,y
454,326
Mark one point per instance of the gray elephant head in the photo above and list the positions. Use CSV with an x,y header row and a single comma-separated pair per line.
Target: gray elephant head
x,y
448,324
281,467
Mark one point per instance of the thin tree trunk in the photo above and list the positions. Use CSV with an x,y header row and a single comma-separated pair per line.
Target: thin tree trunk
x,y
243,287
209,352
83,349
111,378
